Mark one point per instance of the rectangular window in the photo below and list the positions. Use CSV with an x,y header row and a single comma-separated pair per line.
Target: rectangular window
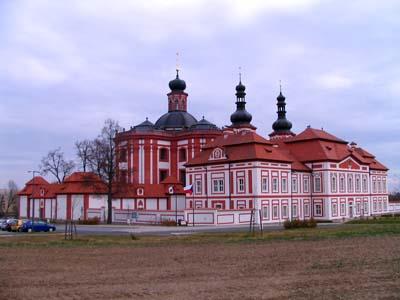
x,y
182,154
122,155
264,184
333,183
275,185
349,183
318,209
182,175
306,184
384,189
294,211
275,212
364,184
384,205
163,174
375,206
240,184
317,184
284,211
265,212
380,205
379,186
163,154
358,184
306,209
294,184
374,186
341,184
334,209
284,185
198,186
342,209
218,185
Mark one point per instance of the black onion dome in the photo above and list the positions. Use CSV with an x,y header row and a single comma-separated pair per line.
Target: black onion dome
x,y
177,84
144,126
241,116
282,125
175,120
280,97
203,124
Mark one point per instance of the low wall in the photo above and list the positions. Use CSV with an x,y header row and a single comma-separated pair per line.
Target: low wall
x,y
217,217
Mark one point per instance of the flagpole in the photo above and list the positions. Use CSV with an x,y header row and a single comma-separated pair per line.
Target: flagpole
x,y
193,204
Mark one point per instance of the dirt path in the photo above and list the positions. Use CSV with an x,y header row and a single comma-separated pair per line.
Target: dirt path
x,y
356,268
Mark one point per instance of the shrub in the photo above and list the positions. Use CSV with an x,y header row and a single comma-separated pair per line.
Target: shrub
x,y
90,221
296,223
168,223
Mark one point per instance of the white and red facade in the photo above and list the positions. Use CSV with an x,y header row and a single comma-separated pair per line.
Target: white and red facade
x,y
234,173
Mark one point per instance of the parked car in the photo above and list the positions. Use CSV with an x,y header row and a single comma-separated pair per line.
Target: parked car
x,y
17,226
2,223
28,226
7,225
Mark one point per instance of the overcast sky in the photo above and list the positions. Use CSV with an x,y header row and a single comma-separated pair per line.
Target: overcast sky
x,y
66,66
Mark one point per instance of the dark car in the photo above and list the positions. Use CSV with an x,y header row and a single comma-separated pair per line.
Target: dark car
x,y
28,226
3,224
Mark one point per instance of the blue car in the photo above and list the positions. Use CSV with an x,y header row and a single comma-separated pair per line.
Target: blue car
x,y
37,226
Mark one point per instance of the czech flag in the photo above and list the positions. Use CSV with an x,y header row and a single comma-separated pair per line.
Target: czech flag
x,y
188,189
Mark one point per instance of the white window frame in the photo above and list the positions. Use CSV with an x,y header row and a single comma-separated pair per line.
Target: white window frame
x,y
318,207
306,209
218,185
285,211
264,184
342,208
275,185
306,184
198,188
265,212
333,183
294,184
284,185
317,184
294,210
240,184
334,209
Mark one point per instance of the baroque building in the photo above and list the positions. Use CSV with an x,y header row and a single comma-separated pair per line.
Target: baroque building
x,y
232,173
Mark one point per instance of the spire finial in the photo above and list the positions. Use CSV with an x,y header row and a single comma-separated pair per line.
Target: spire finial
x,y
280,86
240,74
177,64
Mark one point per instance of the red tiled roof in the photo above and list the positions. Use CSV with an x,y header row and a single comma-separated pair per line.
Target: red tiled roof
x,y
37,180
241,147
83,183
244,137
314,134
149,190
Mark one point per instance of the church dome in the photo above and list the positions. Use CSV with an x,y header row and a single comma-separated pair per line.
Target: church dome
x,y
144,126
177,84
203,124
241,116
175,120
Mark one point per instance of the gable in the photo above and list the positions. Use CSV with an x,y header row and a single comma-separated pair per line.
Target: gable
x,y
349,164
217,153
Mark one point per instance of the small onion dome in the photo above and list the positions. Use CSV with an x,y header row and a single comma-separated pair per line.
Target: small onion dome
x,y
144,126
241,116
282,125
280,97
203,124
240,88
177,84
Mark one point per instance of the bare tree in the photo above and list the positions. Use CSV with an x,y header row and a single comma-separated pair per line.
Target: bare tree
x,y
84,153
8,199
55,164
103,160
